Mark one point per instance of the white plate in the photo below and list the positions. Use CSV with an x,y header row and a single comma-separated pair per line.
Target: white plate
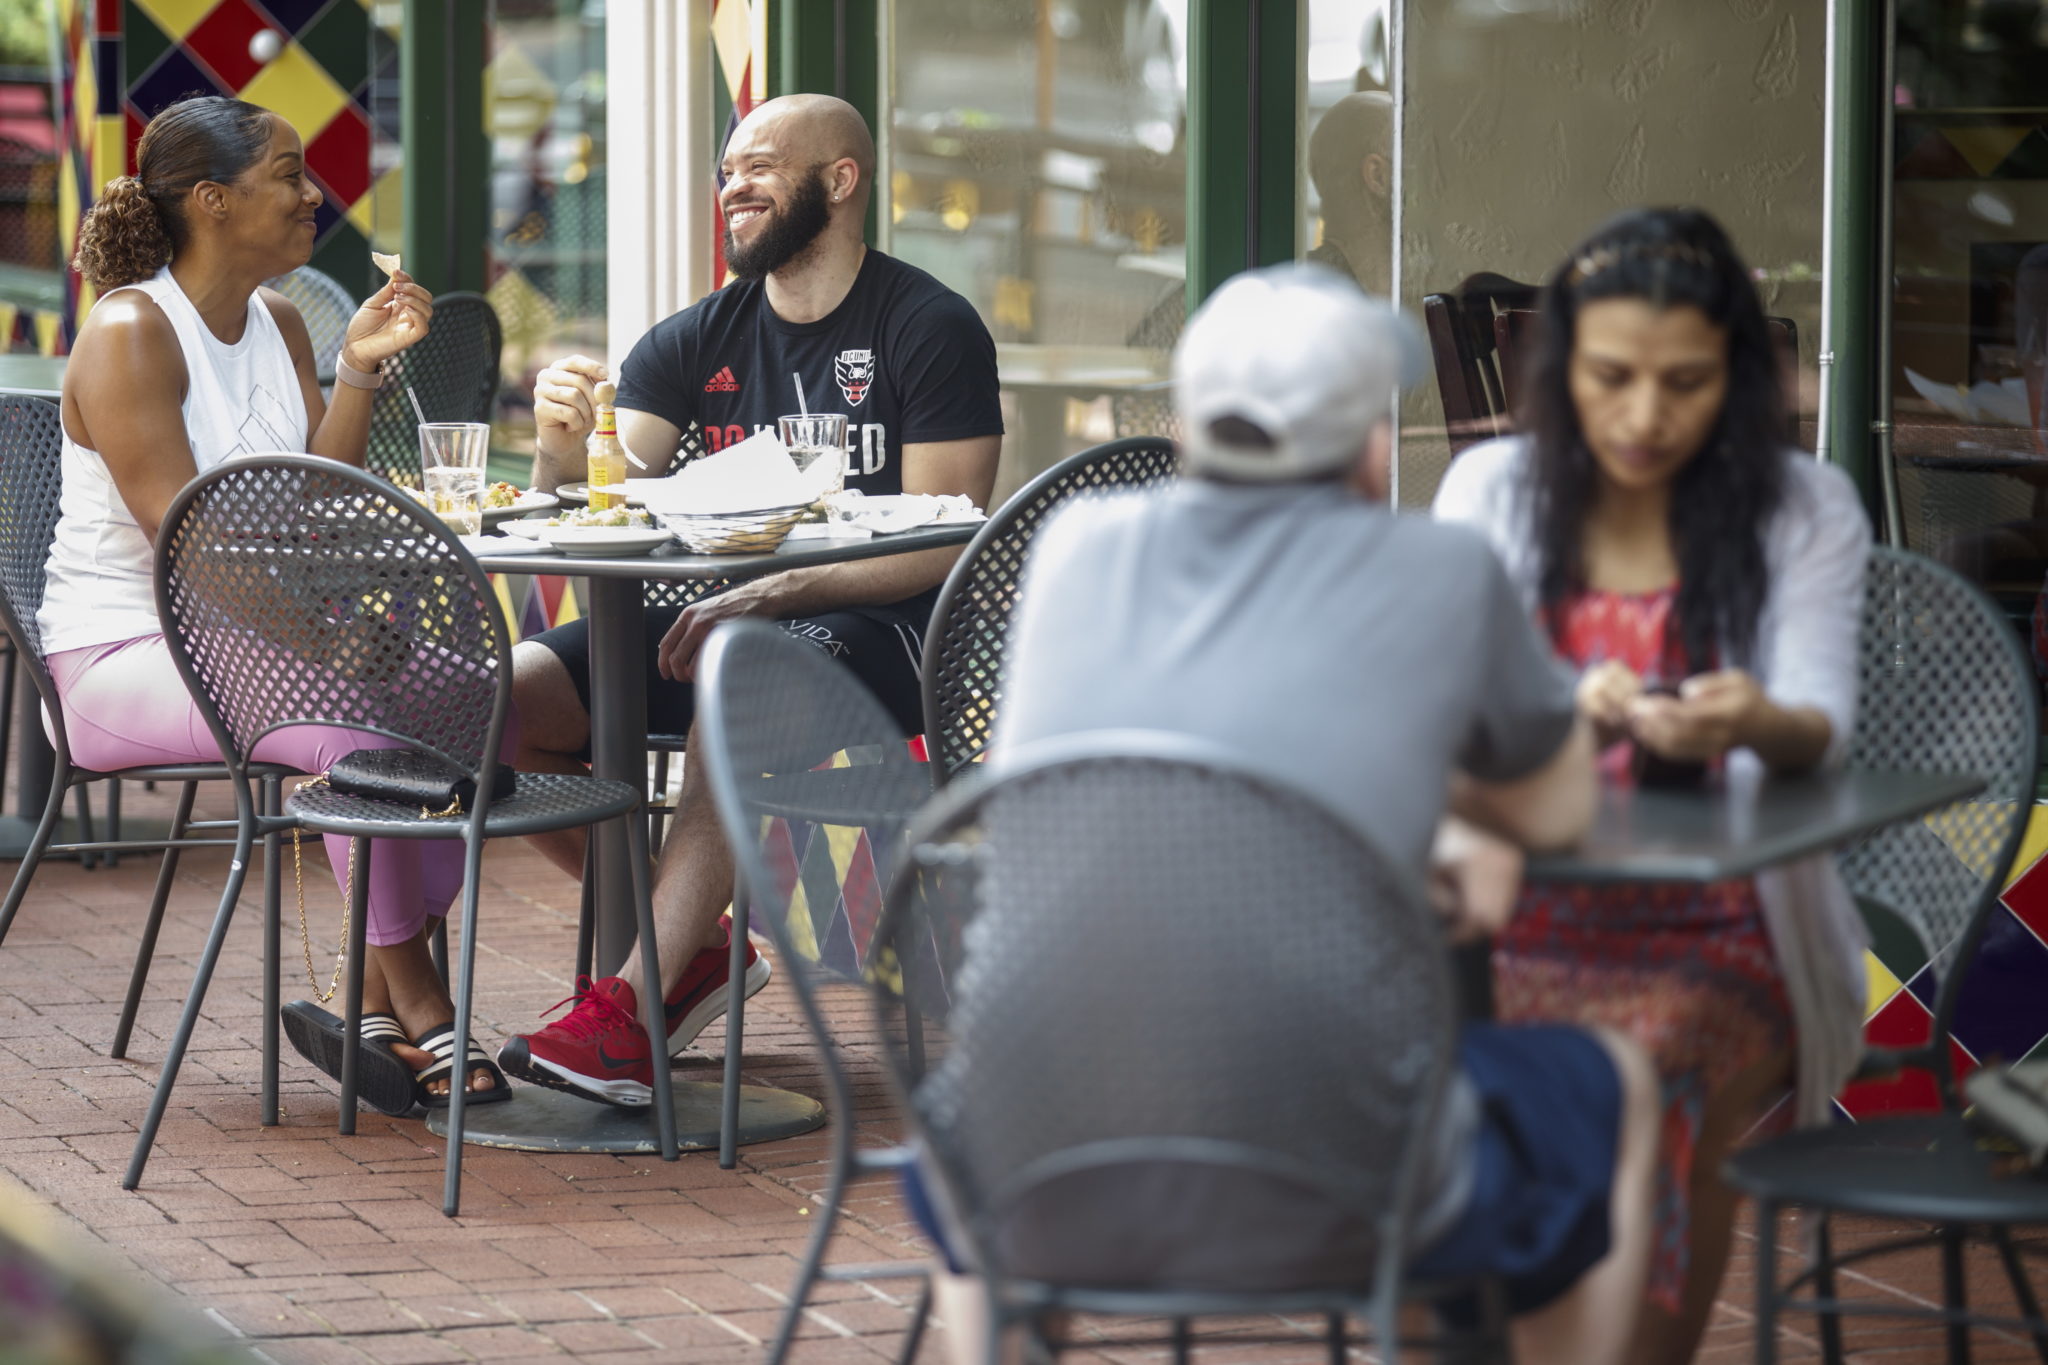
x,y
532,529
529,501
604,541
579,493
501,545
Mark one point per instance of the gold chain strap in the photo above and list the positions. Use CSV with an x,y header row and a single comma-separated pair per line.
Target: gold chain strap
x,y
348,896
348,901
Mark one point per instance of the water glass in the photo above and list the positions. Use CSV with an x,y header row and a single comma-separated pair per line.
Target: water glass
x,y
810,436
452,456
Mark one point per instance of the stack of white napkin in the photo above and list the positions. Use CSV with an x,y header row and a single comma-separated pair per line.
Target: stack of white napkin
x,y
756,473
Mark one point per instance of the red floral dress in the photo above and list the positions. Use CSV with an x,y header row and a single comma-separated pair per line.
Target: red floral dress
x,y
1686,971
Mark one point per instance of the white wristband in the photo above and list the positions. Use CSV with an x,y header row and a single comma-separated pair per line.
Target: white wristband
x,y
345,373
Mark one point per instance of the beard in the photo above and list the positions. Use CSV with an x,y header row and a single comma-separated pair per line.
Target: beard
x,y
785,234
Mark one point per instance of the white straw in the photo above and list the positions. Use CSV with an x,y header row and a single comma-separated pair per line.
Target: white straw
x,y
417,411
801,405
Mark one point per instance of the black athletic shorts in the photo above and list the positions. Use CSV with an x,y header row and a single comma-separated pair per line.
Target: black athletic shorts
x,y
882,645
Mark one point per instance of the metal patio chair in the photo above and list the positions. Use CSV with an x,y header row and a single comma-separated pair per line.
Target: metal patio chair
x,y
326,307
1149,1104
297,590
795,745
31,480
964,648
1945,687
454,373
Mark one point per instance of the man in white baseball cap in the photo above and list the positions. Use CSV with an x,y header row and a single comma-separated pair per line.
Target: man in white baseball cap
x,y
1284,372
1271,602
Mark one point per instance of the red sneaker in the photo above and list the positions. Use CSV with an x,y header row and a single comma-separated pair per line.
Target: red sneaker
x,y
598,1050
706,989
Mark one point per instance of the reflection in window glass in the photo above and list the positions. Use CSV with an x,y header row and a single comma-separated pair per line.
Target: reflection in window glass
x,y
1037,165
544,110
31,252
1970,297
1348,171
1526,123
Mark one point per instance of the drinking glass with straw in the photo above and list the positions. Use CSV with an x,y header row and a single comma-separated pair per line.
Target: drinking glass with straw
x,y
809,435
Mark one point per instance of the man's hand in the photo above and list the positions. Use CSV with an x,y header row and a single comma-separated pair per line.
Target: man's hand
x,y
1605,694
676,656
1474,879
1712,713
565,405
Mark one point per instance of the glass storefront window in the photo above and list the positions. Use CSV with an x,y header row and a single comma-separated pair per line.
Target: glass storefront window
x,y
31,250
544,109
1969,336
1527,122
1347,172
1036,163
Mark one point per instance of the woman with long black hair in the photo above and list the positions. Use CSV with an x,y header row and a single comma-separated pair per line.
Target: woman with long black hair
x,y
1706,581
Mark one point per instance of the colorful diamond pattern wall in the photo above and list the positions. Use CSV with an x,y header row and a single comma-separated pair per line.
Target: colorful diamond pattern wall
x,y
2002,1013
1978,147
319,82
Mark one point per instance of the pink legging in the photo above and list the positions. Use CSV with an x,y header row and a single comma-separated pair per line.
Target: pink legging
x,y
125,704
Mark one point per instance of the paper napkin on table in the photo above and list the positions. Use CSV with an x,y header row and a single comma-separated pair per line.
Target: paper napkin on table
x,y
755,473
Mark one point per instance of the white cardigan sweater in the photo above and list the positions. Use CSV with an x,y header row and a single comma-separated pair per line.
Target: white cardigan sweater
x,y
1804,655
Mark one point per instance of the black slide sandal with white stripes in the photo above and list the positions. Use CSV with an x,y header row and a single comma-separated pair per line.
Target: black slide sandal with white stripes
x,y
382,1081
440,1040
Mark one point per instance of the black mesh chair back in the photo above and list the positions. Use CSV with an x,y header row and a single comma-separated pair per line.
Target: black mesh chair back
x,y
294,589
454,371
31,481
326,308
802,761
1944,687
799,746
1197,1026
963,650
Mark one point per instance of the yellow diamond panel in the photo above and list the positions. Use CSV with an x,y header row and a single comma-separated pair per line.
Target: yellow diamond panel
x,y
296,87
2033,843
732,33
177,17
1879,985
1985,148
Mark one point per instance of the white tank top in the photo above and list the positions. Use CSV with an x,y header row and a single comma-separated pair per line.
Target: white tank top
x,y
242,399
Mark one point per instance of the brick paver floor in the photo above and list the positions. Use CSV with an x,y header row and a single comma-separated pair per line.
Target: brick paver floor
x,y
318,1248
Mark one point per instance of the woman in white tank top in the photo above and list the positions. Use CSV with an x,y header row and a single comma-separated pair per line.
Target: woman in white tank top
x,y
185,341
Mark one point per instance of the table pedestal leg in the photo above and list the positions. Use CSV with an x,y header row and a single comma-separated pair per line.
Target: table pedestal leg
x,y
539,1120
618,750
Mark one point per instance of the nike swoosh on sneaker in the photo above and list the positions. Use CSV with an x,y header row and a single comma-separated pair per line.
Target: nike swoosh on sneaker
x,y
615,1063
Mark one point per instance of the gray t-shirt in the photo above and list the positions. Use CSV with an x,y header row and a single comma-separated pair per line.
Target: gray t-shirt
x,y
1357,653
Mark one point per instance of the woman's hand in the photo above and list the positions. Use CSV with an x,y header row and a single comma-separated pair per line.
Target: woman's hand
x,y
1712,713
390,320
1605,694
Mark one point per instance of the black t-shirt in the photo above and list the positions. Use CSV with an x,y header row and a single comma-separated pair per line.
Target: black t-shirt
x,y
905,358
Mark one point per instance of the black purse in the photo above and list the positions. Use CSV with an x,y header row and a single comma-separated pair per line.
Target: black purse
x,y
403,777
407,777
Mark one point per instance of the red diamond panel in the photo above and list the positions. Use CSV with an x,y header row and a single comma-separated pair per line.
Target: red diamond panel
x,y
340,156
136,123
2027,898
1903,1022
221,40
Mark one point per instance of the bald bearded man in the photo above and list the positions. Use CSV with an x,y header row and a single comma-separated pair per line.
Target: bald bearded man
x,y
914,370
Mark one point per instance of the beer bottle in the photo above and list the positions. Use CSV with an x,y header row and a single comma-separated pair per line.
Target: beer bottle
x,y
604,457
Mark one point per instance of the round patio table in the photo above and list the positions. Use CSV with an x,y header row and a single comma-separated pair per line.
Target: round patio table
x,y
547,1120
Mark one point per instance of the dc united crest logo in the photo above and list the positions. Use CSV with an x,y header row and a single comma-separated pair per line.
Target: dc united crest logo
x,y
855,371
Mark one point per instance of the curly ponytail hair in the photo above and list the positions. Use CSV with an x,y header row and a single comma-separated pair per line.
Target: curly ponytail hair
x,y
138,225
